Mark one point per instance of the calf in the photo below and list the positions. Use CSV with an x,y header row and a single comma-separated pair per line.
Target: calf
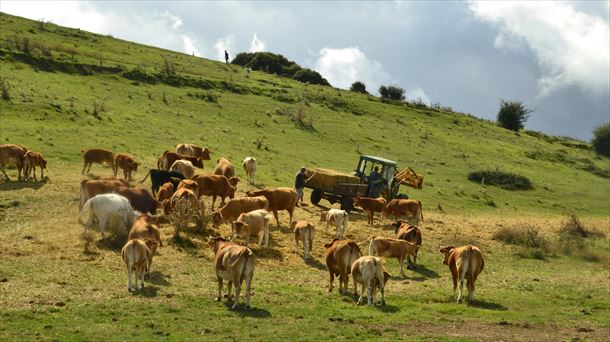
x,y
184,167
279,199
139,198
368,271
31,160
370,206
165,192
235,264
192,150
92,187
107,207
224,167
136,255
215,185
235,207
410,208
168,158
255,222
189,184
406,232
12,154
340,255
160,177
337,217
125,163
185,194
392,248
464,262
249,165
303,231
145,228
96,155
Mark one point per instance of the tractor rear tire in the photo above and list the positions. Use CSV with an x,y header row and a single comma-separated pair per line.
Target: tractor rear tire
x,y
316,196
347,203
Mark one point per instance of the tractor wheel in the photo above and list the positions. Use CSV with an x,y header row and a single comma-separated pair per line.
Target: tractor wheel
x,y
347,203
316,196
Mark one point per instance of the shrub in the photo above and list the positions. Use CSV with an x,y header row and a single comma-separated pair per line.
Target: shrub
x,y
601,139
4,89
512,115
504,180
358,87
572,227
310,76
535,245
391,92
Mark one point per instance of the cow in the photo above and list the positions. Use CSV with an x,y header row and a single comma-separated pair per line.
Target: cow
x,y
139,198
235,264
340,255
108,207
233,181
392,248
92,187
165,192
368,271
184,167
186,194
125,163
136,255
255,222
406,232
411,209
337,217
224,167
249,165
193,151
464,262
145,228
97,155
12,154
215,185
160,177
236,206
31,160
168,158
303,231
189,184
370,206
279,199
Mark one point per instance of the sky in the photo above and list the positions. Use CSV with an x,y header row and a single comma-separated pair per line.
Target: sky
x,y
468,55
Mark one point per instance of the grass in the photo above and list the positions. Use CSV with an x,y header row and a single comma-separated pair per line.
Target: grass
x,y
52,289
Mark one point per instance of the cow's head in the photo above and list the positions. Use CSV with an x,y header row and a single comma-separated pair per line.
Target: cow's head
x,y
216,219
152,247
133,166
330,244
233,181
231,192
397,225
386,277
43,163
214,242
198,162
205,154
241,228
446,250
166,204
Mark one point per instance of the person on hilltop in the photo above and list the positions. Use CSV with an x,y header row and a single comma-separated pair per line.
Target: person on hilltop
x,y
226,57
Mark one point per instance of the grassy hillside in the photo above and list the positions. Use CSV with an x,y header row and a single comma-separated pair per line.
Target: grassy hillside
x,y
71,89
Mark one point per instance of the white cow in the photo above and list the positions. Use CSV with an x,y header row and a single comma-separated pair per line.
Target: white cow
x,y
184,167
250,168
338,217
368,271
108,207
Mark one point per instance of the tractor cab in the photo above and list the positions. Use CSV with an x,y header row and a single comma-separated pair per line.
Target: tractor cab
x,y
367,164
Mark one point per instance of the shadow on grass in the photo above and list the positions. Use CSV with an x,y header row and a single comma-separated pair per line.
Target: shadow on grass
x,y
10,185
148,291
388,308
111,242
158,278
481,304
425,272
267,253
184,244
316,264
252,312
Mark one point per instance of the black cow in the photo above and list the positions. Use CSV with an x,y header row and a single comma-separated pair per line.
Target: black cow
x,y
160,177
139,198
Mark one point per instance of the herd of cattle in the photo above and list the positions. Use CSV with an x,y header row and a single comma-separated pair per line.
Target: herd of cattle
x,y
105,200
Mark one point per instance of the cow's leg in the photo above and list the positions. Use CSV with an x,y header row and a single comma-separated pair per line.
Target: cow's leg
x,y
141,274
214,201
129,273
248,283
229,290
296,243
330,283
368,293
34,170
402,263
277,221
4,172
102,224
470,287
361,295
41,173
237,283
382,291
84,167
219,293
19,169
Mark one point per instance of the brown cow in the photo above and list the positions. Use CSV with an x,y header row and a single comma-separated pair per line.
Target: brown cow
x,y
30,161
125,163
255,222
406,232
189,184
168,158
184,167
184,193
145,228
279,199
340,255
303,231
392,248
12,154
193,151
215,185
224,167
92,187
370,206
96,155
464,262
233,181
235,264
165,192
237,206
136,255
139,198
410,208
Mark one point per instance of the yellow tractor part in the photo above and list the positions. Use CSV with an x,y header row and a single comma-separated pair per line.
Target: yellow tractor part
x,y
408,177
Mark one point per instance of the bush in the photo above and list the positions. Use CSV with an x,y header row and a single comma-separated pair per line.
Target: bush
x,y
310,76
512,115
601,140
504,180
4,89
393,93
535,245
358,87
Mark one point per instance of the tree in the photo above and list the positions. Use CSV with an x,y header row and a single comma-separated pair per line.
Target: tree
x,y
601,139
513,114
358,87
392,92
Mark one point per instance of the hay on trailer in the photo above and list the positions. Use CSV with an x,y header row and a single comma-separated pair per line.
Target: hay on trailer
x,y
327,180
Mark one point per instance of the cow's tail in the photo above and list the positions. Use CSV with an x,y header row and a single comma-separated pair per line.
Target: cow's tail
x,y
85,208
142,181
421,211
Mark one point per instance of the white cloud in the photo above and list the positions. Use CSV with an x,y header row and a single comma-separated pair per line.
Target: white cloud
x,y
417,94
256,45
342,67
189,46
223,44
167,18
572,47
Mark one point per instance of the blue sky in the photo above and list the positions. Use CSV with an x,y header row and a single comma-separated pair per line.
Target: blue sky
x,y
552,56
